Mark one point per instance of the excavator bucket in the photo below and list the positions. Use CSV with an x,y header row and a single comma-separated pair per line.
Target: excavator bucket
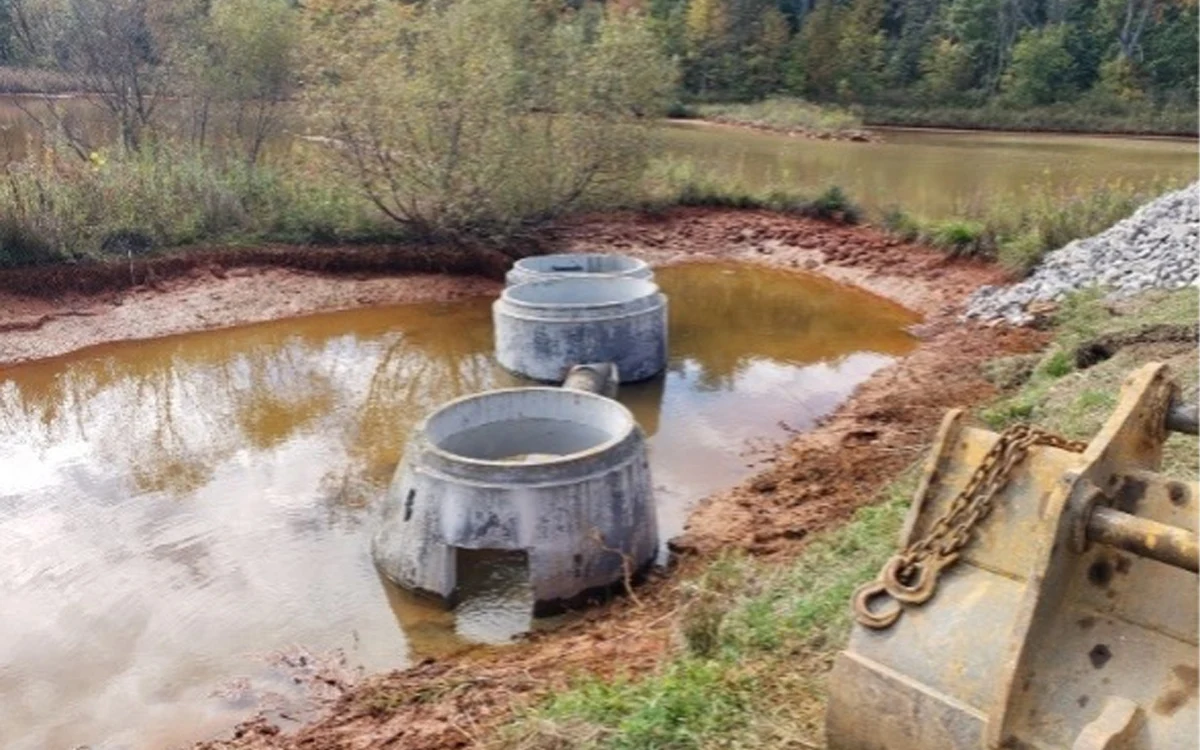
x,y
1067,620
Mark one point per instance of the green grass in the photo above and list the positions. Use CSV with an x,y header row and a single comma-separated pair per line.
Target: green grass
x,y
1075,402
785,114
1018,232
1077,117
755,639
59,208
958,237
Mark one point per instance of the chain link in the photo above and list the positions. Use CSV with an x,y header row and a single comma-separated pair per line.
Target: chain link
x,y
910,577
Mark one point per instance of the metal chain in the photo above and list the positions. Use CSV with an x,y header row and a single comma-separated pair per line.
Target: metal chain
x,y
910,577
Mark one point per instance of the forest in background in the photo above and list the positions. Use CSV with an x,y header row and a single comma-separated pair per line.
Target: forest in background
x,y
1101,58
1105,54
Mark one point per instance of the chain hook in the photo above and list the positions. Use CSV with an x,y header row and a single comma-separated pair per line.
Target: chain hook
x,y
915,582
880,619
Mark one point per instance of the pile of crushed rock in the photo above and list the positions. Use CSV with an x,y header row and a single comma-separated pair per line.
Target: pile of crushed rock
x,y
1155,248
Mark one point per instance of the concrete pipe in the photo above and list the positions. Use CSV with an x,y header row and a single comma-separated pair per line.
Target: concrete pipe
x,y
570,265
543,328
559,474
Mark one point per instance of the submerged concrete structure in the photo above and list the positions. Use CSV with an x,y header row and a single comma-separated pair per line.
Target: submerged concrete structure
x,y
571,265
543,328
559,473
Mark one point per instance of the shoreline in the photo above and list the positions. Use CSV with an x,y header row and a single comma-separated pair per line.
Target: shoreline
x,y
51,311
870,127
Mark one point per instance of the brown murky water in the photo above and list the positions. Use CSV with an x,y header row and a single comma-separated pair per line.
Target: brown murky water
x,y
935,174
174,512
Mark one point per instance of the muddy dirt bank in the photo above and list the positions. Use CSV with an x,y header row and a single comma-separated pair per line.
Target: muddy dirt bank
x,y
47,312
815,481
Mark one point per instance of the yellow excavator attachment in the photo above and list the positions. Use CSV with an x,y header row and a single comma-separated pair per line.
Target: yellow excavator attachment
x,y
1056,609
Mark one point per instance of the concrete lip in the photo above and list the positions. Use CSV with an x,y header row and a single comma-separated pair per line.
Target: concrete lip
x,y
559,474
503,428
579,293
543,267
543,328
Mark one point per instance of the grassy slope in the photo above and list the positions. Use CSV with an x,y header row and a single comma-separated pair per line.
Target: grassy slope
x,y
756,640
1060,118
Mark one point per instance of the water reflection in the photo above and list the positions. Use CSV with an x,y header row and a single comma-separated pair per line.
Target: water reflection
x,y
172,510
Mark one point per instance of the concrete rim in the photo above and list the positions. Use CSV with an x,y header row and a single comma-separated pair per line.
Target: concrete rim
x,y
635,290
628,427
626,264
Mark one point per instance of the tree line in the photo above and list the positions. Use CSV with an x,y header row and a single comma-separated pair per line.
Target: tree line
x,y
1025,53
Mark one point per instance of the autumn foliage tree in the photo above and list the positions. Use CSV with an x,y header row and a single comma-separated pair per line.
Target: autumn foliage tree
x,y
479,117
961,52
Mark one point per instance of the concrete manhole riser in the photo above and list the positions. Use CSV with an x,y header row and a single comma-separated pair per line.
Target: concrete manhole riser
x,y
543,328
581,265
560,474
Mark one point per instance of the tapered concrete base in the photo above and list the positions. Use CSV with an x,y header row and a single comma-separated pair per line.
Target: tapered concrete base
x,y
560,474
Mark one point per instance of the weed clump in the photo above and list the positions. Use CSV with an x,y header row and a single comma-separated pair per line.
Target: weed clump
x,y
1018,233
787,114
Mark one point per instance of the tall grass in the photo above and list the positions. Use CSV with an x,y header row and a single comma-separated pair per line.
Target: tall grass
x,y
1074,118
683,182
35,81
56,207
786,114
1018,231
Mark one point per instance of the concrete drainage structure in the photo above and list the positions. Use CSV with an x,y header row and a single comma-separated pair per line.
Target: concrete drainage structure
x,y
560,474
543,328
544,267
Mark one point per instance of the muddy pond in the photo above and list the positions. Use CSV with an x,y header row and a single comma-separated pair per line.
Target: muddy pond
x,y
182,519
930,173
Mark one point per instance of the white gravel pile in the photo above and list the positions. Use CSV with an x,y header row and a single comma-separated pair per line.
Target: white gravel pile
x,y
1155,248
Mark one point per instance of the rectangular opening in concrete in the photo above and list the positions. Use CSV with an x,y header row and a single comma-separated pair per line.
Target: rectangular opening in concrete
x,y
495,600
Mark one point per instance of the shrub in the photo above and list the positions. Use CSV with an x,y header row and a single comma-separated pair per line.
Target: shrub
x,y
960,237
480,117
833,203
901,224
19,246
58,207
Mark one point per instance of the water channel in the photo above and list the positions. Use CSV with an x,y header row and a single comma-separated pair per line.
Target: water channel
x,y
175,513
